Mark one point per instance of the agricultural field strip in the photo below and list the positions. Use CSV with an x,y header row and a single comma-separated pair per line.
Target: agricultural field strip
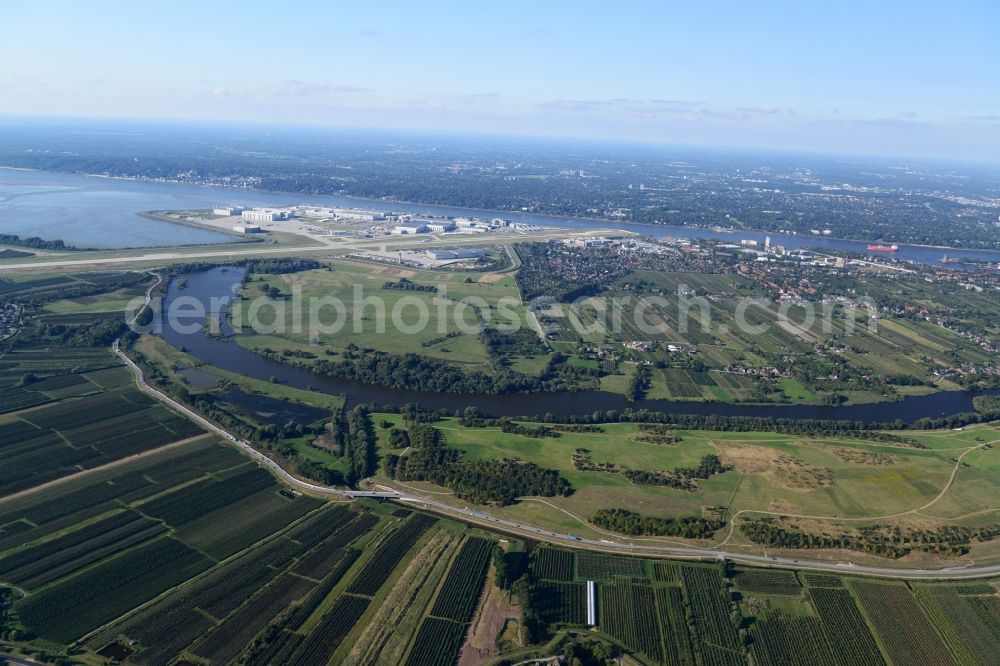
x,y
116,564
704,591
219,591
92,499
965,618
85,441
900,625
389,554
845,626
768,582
229,639
958,623
795,641
677,638
437,643
70,556
102,468
455,603
459,593
327,636
73,609
417,580
627,612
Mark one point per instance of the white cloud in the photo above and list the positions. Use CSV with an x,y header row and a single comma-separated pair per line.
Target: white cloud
x,y
769,110
294,88
287,89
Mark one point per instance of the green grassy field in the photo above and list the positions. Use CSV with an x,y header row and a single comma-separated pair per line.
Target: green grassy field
x,y
448,333
834,480
114,301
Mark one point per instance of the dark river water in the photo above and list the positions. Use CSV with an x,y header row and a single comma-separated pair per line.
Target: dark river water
x,y
88,211
273,410
219,284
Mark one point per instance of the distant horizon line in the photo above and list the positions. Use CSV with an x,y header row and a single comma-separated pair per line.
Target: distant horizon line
x,y
606,142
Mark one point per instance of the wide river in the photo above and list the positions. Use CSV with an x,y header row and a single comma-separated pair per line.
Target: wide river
x,y
219,284
94,212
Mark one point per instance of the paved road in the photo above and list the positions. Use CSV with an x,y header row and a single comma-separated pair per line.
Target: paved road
x,y
163,256
19,661
325,244
539,533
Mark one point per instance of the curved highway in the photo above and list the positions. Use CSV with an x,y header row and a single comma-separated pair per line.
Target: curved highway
x,y
538,533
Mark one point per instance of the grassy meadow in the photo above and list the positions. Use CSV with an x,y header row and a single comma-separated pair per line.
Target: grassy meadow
x,y
832,479
447,334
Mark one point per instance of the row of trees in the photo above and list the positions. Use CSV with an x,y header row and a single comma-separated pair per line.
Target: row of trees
x,y
809,427
682,478
884,541
657,433
479,481
354,434
416,372
512,427
639,383
409,285
624,521
522,342
33,242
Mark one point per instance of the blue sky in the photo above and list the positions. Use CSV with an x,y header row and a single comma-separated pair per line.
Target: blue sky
x,y
895,78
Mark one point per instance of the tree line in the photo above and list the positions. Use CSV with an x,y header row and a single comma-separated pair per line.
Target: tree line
x,y
881,540
479,481
34,242
420,373
354,433
408,285
628,522
682,478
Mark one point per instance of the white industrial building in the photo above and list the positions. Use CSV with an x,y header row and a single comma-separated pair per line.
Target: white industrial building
x,y
359,215
592,242
411,228
247,229
264,215
465,222
316,213
227,211
447,225
456,253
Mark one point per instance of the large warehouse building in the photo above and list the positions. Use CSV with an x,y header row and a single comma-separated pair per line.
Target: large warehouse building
x,y
405,229
264,215
456,253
